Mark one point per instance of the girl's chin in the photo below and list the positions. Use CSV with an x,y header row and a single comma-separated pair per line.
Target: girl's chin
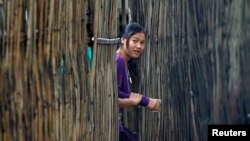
x,y
136,56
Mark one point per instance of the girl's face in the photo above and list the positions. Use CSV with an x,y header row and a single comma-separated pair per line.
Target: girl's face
x,y
135,46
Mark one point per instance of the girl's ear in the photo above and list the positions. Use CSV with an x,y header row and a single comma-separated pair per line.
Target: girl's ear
x,y
122,40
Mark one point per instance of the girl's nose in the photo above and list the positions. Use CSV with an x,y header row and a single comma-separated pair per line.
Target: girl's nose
x,y
139,45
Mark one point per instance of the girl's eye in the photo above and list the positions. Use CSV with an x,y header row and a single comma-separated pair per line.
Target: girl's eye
x,y
135,41
142,43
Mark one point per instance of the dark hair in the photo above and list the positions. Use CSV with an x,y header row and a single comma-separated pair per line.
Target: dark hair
x,y
131,29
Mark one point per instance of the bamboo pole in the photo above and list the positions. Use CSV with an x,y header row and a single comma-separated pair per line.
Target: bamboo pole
x,y
103,70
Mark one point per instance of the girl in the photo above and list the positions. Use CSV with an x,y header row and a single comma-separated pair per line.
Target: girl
x,y
132,45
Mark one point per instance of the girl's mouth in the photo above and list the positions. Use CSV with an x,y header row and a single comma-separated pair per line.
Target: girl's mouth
x,y
137,52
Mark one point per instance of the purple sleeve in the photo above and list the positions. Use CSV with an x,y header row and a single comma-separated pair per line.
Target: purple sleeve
x,y
120,78
144,101
123,84
122,94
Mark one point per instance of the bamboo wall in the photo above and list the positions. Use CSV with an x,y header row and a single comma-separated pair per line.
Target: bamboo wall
x,y
48,92
196,61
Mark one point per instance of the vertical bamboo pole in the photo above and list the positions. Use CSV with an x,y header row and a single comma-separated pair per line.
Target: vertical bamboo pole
x,y
104,73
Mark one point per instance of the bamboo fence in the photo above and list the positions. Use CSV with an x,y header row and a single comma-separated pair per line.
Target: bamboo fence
x,y
48,91
195,60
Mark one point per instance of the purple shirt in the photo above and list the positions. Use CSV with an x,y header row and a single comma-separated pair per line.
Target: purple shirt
x,y
123,84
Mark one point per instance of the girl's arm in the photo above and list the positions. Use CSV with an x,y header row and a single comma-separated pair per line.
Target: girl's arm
x,y
133,100
125,102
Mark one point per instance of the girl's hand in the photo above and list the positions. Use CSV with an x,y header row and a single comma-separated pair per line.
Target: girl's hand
x,y
136,98
154,104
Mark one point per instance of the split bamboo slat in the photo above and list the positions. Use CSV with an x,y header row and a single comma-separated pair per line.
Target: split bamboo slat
x,y
195,60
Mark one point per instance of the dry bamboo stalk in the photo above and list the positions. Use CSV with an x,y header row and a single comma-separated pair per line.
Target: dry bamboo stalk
x,y
44,99
59,91
66,104
39,62
77,38
8,24
55,36
17,70
2,28
71,79
41,118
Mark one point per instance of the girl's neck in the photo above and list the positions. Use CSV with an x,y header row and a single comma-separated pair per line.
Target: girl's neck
x,y
123,54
